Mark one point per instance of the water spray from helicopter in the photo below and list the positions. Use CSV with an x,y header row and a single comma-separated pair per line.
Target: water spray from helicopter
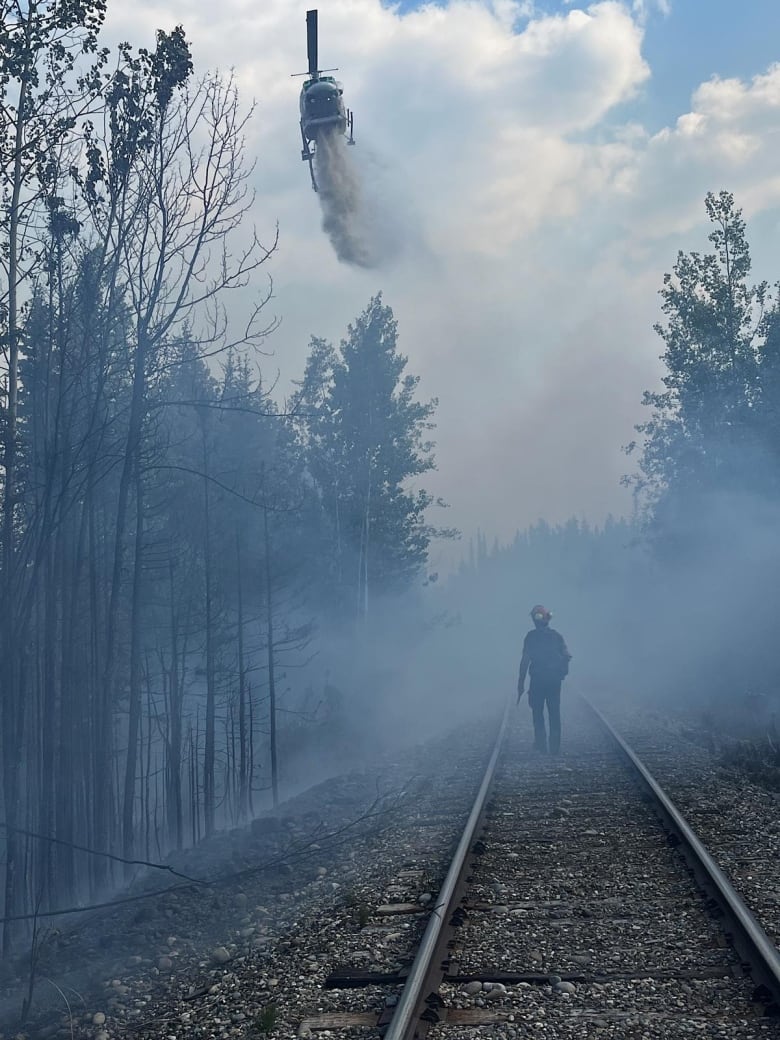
x,y
344,217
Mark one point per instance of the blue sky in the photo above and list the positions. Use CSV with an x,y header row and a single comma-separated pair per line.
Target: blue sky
x,y
696,40
702,38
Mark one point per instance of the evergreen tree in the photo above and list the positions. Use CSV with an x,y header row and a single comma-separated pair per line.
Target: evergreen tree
x,y
708,431
366,440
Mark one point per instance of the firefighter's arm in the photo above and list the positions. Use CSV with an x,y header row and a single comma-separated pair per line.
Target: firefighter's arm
x,y
566,656
524,663
565,649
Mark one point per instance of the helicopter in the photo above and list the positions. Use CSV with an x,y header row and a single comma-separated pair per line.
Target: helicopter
x,y
321,102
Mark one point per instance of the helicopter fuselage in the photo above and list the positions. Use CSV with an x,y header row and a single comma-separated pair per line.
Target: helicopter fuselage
x,y
322,107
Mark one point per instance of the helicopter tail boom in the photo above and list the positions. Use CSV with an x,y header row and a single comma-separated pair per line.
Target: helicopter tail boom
x,y
311,42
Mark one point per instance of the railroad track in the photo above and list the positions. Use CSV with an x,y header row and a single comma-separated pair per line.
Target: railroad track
x,y
738,822
578,903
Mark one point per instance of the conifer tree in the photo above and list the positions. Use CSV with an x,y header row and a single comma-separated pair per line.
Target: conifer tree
x,y
367,441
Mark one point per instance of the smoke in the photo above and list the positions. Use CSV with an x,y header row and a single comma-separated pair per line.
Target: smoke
x,y
696,630
351,219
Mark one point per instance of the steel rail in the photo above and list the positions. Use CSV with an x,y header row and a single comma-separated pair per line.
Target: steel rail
x,y
410,1004
747,935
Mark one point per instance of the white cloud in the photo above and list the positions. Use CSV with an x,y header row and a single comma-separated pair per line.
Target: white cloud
x,y
729,138
643,8
537,230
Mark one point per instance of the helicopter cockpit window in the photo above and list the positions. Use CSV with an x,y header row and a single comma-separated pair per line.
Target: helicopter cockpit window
x,y
322,101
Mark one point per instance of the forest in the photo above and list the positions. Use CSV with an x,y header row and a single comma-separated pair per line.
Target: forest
x,y
174,536
197,571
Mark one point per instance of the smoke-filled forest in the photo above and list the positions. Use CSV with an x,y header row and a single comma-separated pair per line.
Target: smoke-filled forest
x,y
178,540
211,585
677,602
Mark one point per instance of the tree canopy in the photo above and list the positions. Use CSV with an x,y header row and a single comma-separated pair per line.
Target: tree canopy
x,y
713,428
366,440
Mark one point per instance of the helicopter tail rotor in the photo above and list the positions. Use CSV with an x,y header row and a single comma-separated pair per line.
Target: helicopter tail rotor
x,y
311,42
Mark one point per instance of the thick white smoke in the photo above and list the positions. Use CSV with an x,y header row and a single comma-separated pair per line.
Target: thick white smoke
x,y
345,215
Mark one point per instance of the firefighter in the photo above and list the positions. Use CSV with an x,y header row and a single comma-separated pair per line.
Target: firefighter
x,y
546,657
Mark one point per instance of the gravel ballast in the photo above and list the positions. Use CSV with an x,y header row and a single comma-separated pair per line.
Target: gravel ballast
x,y
578,887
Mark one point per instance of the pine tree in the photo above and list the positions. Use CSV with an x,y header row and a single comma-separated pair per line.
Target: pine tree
x,y
366,441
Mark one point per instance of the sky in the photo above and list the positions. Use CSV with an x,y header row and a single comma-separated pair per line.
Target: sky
x,y
530,171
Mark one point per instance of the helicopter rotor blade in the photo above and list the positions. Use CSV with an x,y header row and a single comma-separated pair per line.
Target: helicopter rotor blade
x,y
311,41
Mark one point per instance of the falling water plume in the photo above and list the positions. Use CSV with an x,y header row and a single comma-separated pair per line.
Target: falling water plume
x,y
345,219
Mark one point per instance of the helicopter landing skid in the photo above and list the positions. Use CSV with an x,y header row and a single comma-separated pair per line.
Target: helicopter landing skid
x,y
311,171
307,155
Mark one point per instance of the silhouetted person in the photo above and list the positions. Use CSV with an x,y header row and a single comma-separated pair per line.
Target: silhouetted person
x,y
546,657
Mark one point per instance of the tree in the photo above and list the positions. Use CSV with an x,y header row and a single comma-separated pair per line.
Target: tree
x,y
166,189
41,100
708,431
366,441
114,261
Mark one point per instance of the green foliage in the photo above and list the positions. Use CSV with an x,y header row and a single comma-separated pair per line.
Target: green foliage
x,y
266,1021
713,429
137,98
170,65
366,440
45,85
357,906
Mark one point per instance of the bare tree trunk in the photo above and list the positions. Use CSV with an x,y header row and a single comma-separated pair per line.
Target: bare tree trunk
x,y
49,740
243,778
130,465
149,716
251,770
368,540
231,786
174,798
157,844
13,735
75,724
196,780
208,752
12,700
269,607
193,784
96,699
133,725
